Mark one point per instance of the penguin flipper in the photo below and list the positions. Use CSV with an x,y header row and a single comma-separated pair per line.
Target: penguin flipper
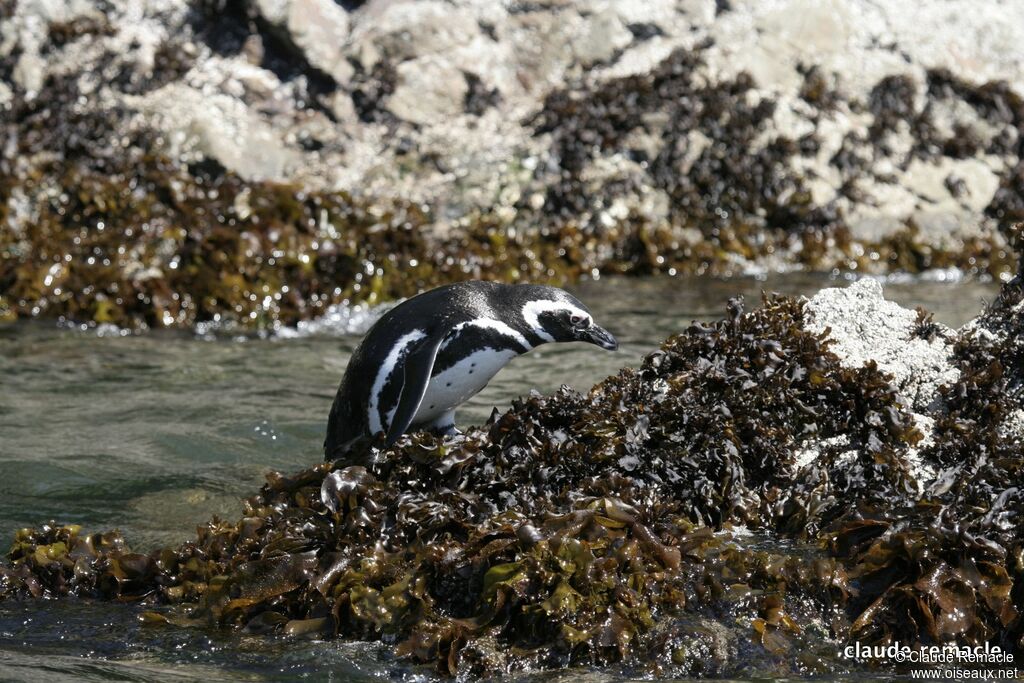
x,y
418,367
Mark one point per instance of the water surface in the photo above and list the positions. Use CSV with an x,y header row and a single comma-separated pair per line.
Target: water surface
x,y
154,433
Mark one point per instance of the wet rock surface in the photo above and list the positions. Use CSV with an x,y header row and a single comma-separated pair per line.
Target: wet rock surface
x,y
617,136
761,491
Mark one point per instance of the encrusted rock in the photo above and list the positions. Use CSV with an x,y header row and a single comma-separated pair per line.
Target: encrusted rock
x,y
428,91
602,36
681,137
218,127
864,326
317,28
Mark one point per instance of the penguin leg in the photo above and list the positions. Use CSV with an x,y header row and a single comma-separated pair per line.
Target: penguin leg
x,y
444,424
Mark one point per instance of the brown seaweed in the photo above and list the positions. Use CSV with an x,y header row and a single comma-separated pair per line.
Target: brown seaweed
x,y
597,529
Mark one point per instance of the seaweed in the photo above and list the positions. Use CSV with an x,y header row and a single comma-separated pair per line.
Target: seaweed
x,y
722,187
925,326
949,567
131,237
600,529
479,98
816,88
61,33
891,101
1007,205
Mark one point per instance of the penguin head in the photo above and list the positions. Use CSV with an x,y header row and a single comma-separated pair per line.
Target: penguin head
x,y
554,315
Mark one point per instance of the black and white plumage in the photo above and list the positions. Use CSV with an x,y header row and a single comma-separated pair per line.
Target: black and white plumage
x,y
432,352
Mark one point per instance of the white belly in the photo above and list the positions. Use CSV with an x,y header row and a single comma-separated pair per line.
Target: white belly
x,y
460,382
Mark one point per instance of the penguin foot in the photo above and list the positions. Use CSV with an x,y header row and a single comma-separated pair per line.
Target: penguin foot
x,y
447,430
444,425
360,450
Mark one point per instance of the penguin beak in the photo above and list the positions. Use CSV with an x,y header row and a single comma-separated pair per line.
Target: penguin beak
x,y
597,335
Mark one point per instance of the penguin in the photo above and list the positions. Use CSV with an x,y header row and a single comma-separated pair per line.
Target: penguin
x,y
432,352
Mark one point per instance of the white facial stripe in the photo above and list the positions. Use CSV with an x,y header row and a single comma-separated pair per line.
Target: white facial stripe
x,y
382,377
533,309
489,324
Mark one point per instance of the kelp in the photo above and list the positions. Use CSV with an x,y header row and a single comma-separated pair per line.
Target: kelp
x,y
661,523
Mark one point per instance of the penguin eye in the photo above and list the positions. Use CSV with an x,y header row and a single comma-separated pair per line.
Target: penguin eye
x,y
577,320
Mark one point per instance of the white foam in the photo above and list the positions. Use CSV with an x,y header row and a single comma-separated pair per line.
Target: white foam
x,y
340,320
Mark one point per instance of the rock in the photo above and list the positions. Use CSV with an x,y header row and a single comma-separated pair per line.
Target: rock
x,y
874,226
953,117
540,49
883,211
6,96
218,127
603,35
788,32
25,34
663,14
429,91
638,59
29,73
1012,429
929,181
318,29
794,133
865,327
697,12
396,31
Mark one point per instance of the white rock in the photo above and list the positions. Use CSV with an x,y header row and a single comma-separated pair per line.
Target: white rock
x,y
638,59
661,13
603,35
29,73
928,180
948,113
978,40
540,44
219,127
885,212
865,327
317,28
699,12
429,91
403,29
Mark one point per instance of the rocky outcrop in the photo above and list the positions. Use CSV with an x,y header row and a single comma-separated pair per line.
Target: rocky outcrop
x,y
759,493
866,327
317,31
675,136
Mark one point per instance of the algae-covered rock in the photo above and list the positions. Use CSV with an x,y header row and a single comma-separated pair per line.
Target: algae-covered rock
x,y
672,136
747,499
